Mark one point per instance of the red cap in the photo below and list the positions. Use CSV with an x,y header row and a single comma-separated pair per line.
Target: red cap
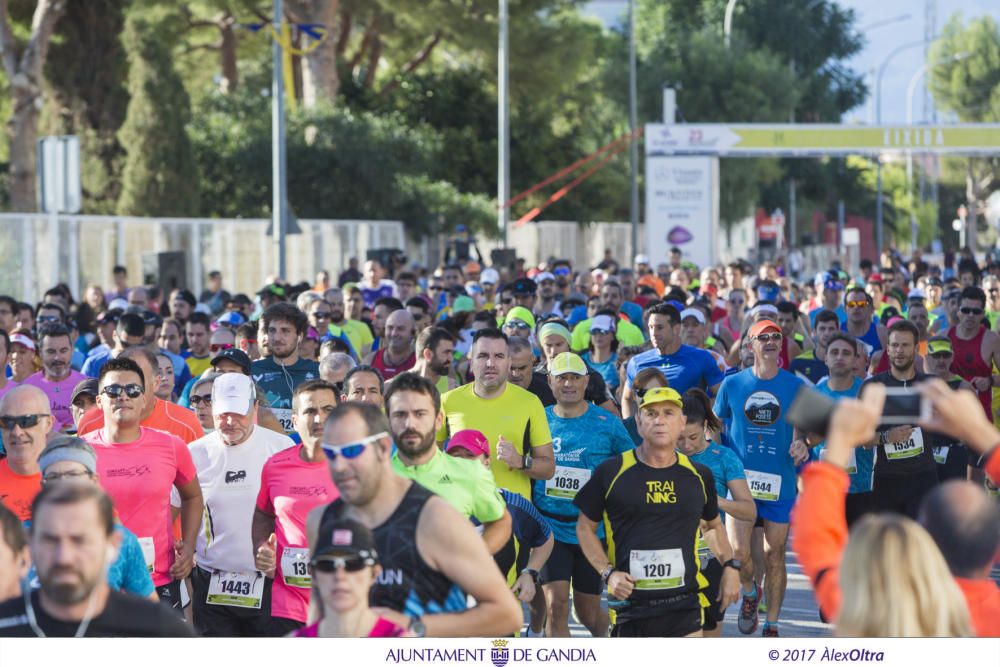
x,y
762,327
471,440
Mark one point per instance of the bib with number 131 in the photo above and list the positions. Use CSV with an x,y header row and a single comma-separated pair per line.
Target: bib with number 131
x,y
295,567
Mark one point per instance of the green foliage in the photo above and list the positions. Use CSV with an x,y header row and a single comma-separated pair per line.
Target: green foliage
x,y
160,176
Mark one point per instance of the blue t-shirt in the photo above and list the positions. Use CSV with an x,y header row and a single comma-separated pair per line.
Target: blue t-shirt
x,y
841,315
633,312
723,463
870,339
755,409
607,369
864,459
529,527
95,362
127,574
278,382
579,444
809,367
687,367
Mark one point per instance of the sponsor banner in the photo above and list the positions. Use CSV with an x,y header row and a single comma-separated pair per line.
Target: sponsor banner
x,y
682,208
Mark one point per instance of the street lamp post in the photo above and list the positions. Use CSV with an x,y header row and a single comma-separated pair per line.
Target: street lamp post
x,y
503,125
727,22
633,122
279,173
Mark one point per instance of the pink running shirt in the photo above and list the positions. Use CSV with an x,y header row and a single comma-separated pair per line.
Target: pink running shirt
x,y
138,476
289,489
59,394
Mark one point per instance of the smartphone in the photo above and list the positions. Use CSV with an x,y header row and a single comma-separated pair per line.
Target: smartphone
x,y
903,405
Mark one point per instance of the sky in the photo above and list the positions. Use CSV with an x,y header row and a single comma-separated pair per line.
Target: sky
x,y
880,43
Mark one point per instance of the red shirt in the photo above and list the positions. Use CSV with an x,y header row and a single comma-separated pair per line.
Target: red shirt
x,y
167,417
18,491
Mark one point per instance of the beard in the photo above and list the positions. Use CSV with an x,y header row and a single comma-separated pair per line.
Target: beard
x,y
441,368
64,592
427,441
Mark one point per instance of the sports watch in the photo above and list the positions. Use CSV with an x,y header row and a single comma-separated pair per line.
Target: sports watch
x,y
608,571
733,563
531,573
417,626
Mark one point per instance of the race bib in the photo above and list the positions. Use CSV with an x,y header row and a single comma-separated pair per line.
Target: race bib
x,y
941,454
566,482
236,589
764,485
148,552
852,463
284,417
704,553
295,567
906,450
657,570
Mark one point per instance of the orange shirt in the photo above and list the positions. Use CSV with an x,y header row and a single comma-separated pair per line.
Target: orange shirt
x,y
983,598
993,465
17,491
166,416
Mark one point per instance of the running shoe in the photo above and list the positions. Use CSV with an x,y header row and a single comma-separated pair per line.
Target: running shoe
x,y
747,621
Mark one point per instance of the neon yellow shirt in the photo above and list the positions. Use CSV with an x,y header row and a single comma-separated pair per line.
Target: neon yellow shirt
x,y
516,414
359,334
466,484
626,333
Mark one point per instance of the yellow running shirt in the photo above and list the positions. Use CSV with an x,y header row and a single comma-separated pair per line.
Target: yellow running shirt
x,y
516,414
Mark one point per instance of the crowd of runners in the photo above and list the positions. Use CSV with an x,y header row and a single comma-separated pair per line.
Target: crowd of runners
x,y
474,450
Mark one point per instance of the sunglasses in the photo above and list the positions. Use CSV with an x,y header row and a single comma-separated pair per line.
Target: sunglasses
x,y
198,400
856,304
325,315
116,390
561,271
351,451
595,332
942,355
737,302
767,337
8,422
966,310
330,564
517,324
219,347
45,319
435,288
507,301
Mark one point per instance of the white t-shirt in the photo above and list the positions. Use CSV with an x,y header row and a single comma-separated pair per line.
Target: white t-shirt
x,y
230,480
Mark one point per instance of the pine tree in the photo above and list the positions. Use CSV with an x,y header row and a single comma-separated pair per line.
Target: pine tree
x,y
160,175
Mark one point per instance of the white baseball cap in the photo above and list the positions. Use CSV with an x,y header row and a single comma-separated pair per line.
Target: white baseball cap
x,y
602,323
233,392
642,259
544,275
693,312
489,277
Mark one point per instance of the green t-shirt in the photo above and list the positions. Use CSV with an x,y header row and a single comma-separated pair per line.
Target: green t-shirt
x,y
626,333
466,484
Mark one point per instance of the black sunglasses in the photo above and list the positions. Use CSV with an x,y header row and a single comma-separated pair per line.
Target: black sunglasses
x,y
197,400
8,422
116,390
352,564
965,310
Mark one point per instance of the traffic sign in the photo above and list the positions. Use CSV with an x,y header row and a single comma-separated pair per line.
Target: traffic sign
x,y
754,140
58,173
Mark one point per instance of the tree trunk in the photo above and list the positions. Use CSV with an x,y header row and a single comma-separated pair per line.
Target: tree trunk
x,y
320,80
24,73
227,55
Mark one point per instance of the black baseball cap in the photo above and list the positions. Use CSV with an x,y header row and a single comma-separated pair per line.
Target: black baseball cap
x,y
110,316
524,286
186,295
342,536
240,299
272,290
151,318
238,356
88,386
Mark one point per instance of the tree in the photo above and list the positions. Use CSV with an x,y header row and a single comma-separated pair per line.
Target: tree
x,y
23,65
965,80
160,175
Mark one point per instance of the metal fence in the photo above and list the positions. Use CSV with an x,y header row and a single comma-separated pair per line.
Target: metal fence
x,y
38,251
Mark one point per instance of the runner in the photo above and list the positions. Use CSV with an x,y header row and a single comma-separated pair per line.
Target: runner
x,y
395,354
277,375
613,299
198,334
511,418
811,364
976,348
357,332
129,331
730,479
431,557
683,366
138,467
904,459
25,421
231,597
652,500
860,310
953,458
73,541
435,352
364,384
752,403
583,437
71,460
15,560
414,410
6,384
57,378
293,482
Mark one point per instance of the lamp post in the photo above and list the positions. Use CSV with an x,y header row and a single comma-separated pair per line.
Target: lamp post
x,y
279,172
633,122
503,126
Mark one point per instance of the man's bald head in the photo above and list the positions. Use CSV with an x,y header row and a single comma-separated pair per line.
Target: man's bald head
x,y
400,330
965,524
24,399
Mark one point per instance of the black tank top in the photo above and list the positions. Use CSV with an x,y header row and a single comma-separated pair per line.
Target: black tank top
x,y
407,583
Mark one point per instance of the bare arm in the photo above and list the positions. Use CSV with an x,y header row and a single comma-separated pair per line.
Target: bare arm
x,y
450,545
524,586
192,507
593,550
543,462
261,532
628,407
742,505
496,533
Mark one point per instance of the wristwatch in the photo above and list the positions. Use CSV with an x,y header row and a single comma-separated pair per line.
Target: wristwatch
x,y
733,563
528,461
531,573
417,626
608,571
